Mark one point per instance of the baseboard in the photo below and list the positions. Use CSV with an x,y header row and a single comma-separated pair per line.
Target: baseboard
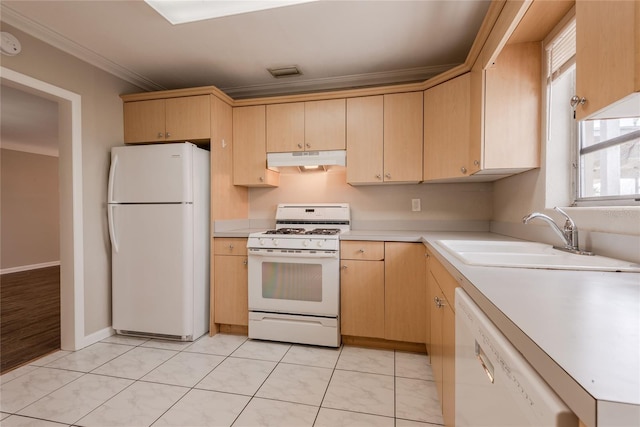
x,y
383,344
20,268
96,337
232,329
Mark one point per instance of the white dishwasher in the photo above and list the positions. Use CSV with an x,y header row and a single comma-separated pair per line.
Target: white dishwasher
x,y
495,385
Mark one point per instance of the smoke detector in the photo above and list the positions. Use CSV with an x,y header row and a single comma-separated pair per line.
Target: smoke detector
x,y
9,44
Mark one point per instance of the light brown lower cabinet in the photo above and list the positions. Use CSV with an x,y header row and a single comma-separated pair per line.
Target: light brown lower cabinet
x,y
441,348
230,276
382,290
362,298
404,292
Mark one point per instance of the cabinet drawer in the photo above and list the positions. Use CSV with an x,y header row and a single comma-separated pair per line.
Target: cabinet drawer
x,y
446,281
230,246
362,250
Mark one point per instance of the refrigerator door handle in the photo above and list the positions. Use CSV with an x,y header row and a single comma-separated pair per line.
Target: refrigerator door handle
x,y
112,175
112,231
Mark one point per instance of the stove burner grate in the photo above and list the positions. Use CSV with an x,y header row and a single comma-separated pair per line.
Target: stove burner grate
x,y
323,231
286,231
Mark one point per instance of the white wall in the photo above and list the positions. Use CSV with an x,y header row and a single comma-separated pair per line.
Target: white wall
x,y
102,128
444,206
29,230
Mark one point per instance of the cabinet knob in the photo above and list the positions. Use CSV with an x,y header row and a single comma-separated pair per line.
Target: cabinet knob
x,y
299,145
378,176
575,100
308,145
463,170
168,135
344,267
361,250
476,162
261,179
231,246
387,175
245,262
439,303
160,135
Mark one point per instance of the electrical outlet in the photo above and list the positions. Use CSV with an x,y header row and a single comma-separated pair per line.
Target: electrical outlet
x,y
415,205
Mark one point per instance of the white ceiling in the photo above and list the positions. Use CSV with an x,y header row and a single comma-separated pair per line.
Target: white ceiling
x,y
336,44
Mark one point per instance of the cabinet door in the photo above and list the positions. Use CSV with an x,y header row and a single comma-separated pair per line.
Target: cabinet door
x,y
607,53
511,115
325,124
144,121
446,129
365,152
285,127
188,118
403,116
437,317
405,294
231,304
362,298
249,154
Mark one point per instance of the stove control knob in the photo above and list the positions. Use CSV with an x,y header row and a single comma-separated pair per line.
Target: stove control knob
x,y
320,243
262,242
275,242
306,242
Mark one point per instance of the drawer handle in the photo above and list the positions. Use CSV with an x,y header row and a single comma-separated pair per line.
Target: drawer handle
x,y
439,302
231,246
361,250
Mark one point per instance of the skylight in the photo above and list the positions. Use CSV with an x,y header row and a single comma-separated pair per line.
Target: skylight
x,y
184,11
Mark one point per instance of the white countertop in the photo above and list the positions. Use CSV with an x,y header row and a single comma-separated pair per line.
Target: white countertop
x,y
579,329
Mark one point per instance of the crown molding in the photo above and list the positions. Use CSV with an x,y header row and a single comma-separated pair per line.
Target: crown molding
x,y
409,75
58,41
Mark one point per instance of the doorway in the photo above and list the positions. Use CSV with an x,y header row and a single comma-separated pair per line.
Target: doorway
x,y
70,202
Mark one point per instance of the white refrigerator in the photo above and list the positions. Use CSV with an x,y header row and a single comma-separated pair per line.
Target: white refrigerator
x,y
158,216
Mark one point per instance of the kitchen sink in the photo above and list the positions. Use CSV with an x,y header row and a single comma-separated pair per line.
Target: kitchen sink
x,y
523,254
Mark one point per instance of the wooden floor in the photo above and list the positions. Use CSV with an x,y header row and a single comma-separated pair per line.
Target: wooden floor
x,y
29,315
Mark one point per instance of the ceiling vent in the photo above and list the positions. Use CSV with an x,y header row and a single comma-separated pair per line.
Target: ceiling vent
x,y
290,71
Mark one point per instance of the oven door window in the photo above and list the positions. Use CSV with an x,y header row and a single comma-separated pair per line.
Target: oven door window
x,y
292,281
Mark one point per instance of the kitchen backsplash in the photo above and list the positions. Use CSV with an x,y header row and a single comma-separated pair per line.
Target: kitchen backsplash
x,y
465,206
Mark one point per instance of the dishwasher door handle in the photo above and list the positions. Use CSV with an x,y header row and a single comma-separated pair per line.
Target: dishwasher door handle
x,y
484,362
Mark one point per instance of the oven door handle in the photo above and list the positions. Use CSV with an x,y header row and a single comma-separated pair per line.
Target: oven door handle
x,y
284,253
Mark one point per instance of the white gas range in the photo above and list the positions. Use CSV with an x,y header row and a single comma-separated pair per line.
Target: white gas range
x,y
294,275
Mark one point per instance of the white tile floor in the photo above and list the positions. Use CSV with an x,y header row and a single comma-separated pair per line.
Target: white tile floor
x,y
225,380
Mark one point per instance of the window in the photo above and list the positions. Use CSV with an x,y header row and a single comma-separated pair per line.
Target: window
x,y
609,156
605,154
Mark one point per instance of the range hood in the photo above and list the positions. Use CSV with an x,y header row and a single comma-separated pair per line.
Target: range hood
x,y
305,159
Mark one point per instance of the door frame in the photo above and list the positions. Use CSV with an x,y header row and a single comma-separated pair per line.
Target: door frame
x,y
72,333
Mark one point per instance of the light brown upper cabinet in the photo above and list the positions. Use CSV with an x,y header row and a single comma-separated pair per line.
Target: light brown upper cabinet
x,y
608,58
446,129
384,138
164,120
311,125
505,112
249,153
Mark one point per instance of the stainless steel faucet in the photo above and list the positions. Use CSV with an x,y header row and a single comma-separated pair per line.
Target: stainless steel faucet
x,y
568,234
